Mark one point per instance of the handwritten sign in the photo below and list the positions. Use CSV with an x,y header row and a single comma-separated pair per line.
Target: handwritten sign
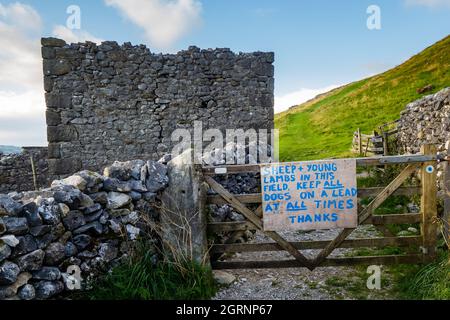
x,y
309,195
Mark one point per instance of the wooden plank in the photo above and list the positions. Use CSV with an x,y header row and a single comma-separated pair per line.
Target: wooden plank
x,y
350,261
257,222
362,193
371,161
429,203
366,213
312,245
385,144
394,219
377,220
244,198
402,191
367,147
377,140
217,227
366,136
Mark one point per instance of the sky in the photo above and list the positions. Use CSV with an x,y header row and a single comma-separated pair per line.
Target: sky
x,y
318,44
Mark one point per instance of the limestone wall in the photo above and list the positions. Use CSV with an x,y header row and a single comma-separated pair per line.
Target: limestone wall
x,y
81,226
426,121
16,173
109,102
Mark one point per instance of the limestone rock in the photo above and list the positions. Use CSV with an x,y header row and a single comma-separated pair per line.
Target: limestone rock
x,y
118,200
54,254
10,240
48,289
9,272
125,170
27,292
82,241
27,244
11,290
5,251
157,176
16,226
32,261
8,205
223,278
74,220
31,213
92,228
47,273
133,232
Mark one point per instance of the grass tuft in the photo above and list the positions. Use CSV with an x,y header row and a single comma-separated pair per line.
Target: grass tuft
x,y
430,282
141,279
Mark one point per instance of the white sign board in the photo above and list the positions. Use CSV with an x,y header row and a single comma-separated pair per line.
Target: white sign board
x,y
309,195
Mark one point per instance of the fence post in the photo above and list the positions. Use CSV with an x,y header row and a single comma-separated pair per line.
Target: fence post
x,y
385,144
359,142
446,185
429,203
33,171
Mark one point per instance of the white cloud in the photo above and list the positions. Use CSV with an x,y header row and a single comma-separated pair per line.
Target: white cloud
x,y
163,21
284,102
74,36
22,118
22,107
22,103
20,27
429,3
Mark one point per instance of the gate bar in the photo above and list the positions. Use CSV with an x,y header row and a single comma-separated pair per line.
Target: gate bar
x,y
372,161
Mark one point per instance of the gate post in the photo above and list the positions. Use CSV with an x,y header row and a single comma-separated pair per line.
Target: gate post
x,y
429,203
446,187
184,214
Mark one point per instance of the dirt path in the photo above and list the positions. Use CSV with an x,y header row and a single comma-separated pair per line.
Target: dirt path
x,y
300,283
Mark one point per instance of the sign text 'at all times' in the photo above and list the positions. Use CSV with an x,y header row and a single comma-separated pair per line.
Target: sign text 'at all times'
x,y
309,195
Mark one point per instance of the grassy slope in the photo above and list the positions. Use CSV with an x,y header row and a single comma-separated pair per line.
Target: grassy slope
x,y
323,127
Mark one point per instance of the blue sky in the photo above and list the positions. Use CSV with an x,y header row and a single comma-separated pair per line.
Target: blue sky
x,y
318,44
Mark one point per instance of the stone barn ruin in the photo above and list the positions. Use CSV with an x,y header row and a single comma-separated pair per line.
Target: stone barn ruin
x,y
109,102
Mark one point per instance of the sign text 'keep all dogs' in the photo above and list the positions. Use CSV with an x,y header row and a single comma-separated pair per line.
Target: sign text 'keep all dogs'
x,y
309,195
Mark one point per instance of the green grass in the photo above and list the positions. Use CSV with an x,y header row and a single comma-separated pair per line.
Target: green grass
x,y
140,279
323,127
429,282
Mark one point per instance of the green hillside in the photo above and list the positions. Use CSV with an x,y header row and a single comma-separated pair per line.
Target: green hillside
x,y
324,126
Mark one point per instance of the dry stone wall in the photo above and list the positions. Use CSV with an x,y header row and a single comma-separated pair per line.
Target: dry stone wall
x,y
109,102
16,173
87,221
426,120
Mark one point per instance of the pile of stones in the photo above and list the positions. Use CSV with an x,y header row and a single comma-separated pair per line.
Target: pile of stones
x,y
86,222
242,183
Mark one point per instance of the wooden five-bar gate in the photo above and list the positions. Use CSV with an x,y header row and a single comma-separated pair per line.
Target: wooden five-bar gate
x,y
419,248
